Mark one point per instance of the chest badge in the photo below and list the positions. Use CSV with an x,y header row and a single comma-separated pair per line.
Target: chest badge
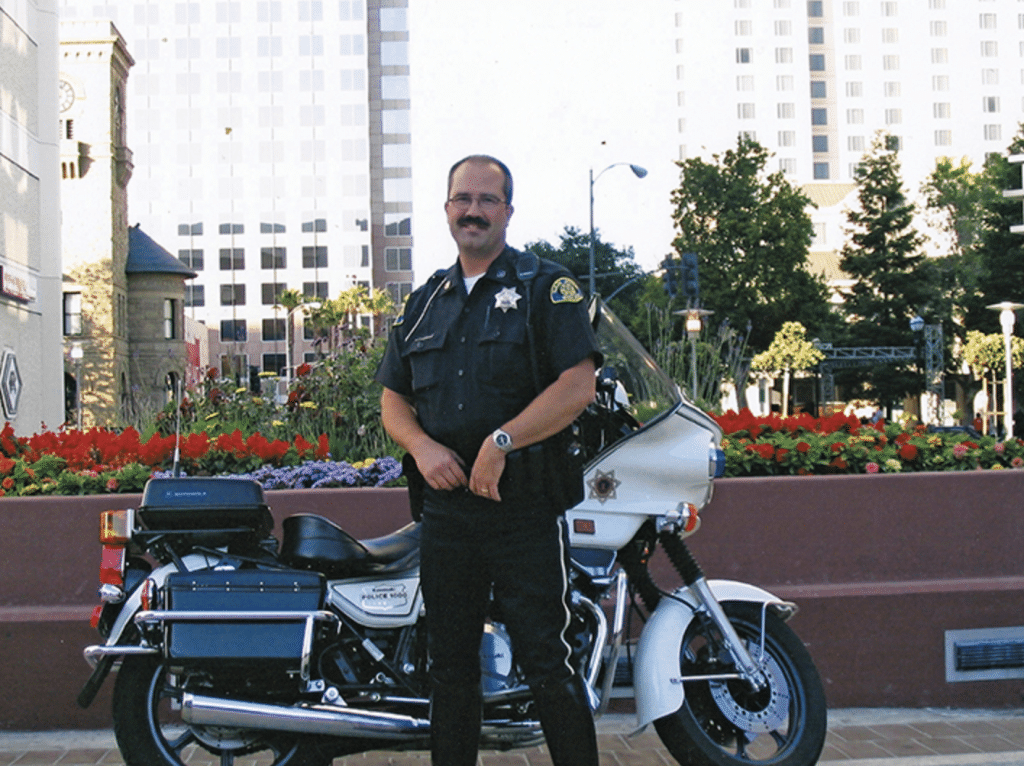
x,y
506,299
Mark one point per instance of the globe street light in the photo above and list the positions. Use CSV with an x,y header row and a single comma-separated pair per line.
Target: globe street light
x,y
76,354
639,172
1007,317
287,341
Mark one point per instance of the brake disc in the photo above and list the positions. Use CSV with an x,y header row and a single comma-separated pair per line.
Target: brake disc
x,y
760,711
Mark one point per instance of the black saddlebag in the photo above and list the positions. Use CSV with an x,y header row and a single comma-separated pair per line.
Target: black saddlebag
x,y
241,637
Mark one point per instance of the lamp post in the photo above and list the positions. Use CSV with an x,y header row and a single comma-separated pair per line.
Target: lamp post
x,y
639,172
694,324
287,341
77,352
1007,317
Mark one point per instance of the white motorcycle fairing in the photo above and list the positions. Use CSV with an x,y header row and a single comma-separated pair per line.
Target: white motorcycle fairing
x,y
657,687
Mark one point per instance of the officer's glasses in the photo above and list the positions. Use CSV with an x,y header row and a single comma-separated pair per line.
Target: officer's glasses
x,y
486,201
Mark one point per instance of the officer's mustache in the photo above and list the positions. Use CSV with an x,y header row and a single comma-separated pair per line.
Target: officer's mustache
x,y
472,220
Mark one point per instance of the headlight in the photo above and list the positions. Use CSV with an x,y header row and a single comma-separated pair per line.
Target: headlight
x,y
716,462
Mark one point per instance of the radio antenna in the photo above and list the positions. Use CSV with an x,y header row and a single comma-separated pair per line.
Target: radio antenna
x,y
177,430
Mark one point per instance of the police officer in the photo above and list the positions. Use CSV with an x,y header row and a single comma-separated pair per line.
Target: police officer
x,y
491,361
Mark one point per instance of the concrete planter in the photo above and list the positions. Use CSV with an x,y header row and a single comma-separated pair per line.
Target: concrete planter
x,y
881,566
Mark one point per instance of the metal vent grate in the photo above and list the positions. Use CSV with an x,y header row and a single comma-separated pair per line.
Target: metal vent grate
x,y
986,654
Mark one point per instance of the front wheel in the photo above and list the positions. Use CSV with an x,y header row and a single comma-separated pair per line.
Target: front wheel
x,y
150,732
727,722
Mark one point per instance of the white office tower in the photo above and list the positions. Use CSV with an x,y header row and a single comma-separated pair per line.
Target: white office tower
x,y
814,81
271,145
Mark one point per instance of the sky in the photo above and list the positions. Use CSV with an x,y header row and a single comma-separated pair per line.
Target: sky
x,y
554,88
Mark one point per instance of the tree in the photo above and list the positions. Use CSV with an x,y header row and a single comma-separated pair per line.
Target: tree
x,y
986,355
790,351
336,321
751,232
892,282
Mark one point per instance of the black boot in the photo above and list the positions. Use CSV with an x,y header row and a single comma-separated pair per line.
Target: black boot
x,y
565,715
455,718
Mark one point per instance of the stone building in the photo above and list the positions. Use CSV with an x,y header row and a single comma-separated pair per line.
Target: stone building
x,y
123,293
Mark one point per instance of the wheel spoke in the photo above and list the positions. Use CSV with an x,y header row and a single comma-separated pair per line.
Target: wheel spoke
x,y
180,743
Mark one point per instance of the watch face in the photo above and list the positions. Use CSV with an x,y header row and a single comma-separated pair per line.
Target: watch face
x,y
67,95
503,440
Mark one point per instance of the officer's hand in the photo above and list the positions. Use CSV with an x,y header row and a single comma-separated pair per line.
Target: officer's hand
x,y
440,466
487,470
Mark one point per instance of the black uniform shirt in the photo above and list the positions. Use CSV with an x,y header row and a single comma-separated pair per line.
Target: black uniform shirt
x,y
465,360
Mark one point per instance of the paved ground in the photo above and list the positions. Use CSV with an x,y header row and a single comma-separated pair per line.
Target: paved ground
x,y
856,738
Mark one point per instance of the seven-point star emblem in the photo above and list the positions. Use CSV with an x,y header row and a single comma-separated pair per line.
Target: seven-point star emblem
x,y
506,299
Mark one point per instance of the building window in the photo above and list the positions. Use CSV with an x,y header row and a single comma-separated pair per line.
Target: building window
x,y
855,89
784,82
892,89
273,329
273,257
821,171
852,62
195,295
787,138
990,104
816,35
170,316
315,291
854,116
851,8
271,292
318,224
943,138
819,117
987,21
815,9
787,165
890,36
745,82
938,28
783,28
855,143
989,76
744,28
232,228
989,48
819,144
232,295
893,116
940,82
190,229
940,55
72,313
819,89
745,111
889,8
233,330
314,257
941,111
274,363
191,258
272,228
786,111
783,55
397,225
890,63
398,259
817,62
851,35
232,258
744,55
993,132
398,291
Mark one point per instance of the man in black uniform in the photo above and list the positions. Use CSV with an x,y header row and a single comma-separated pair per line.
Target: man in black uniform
x,y
491,357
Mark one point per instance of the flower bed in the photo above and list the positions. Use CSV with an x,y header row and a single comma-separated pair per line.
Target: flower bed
x,y
804,445
101,461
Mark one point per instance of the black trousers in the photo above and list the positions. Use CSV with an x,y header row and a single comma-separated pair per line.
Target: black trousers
x,y
524,557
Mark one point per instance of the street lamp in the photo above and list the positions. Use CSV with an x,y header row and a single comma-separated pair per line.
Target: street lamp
x,y
694,324
287,341
77,352
1007,317
639,172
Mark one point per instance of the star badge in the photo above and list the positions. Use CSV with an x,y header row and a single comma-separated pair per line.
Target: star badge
x,y
506,299
603,486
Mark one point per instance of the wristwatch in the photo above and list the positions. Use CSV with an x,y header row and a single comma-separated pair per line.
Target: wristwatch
x,y
502,441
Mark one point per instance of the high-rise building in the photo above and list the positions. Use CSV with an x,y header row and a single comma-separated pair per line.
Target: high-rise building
x,y
815,80
271,147
31,380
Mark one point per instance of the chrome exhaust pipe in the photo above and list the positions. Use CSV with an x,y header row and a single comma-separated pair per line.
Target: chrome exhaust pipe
x,y
326,720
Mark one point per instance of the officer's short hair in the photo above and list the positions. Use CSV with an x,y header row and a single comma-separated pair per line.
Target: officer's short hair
x,y
484,159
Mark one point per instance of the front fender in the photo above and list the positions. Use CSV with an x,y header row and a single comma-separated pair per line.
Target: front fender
x,y
656,685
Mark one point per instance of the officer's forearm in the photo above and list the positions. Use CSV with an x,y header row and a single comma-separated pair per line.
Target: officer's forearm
x,y
555,407
399,419
439,465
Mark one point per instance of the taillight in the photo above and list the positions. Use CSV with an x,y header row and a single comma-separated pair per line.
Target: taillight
x,y
116,526
112,565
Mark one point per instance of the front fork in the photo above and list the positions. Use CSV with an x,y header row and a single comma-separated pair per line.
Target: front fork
x,y
750,670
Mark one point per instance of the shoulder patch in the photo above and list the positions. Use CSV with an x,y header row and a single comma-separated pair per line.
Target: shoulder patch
x,y
398,321
565,290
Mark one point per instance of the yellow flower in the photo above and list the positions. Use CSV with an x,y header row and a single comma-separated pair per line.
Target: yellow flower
x,y
308,405
998,467
266,374
241,390
277,423
212,415
257,400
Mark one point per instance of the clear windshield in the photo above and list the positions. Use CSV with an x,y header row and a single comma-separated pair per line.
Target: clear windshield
x,y
630,377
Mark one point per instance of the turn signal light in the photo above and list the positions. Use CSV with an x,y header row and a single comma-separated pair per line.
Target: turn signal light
x,y
116,527
94,619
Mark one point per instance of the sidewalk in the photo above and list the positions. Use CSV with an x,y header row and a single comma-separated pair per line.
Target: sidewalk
x,y
928,737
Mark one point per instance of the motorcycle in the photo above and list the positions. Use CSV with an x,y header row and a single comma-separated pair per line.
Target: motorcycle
x,y
314,647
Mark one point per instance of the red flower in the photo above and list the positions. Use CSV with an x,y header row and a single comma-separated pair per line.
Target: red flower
x,y
908,452
302,370
780,454
839,463
323,449
7,483
803,447
6,465
838,447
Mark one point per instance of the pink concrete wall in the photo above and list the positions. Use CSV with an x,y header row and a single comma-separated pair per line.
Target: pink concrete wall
x,y
881,567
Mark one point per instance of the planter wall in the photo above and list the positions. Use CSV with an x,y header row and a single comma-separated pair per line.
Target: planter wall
x,y
881,566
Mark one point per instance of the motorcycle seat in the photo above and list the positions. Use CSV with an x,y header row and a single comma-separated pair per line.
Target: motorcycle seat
x,y
314,542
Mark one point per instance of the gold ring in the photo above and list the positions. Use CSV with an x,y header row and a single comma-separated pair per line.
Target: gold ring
x,y
484,491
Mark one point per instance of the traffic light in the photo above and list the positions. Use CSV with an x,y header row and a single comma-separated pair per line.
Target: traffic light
x,y
670,277
689,283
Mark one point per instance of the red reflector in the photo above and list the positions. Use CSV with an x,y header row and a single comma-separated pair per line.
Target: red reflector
x,y
692,519
584,526
94,620
112,565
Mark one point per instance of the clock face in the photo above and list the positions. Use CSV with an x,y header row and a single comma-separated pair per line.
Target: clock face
x,y
67,95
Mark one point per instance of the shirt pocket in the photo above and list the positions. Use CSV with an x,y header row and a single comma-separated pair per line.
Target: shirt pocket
x,y
505,354
425,357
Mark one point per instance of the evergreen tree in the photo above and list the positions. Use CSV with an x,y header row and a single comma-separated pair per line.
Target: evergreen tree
x,y
751,232
892,281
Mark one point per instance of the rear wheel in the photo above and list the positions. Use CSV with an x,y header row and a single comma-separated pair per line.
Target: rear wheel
x,y
150,732
727,722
